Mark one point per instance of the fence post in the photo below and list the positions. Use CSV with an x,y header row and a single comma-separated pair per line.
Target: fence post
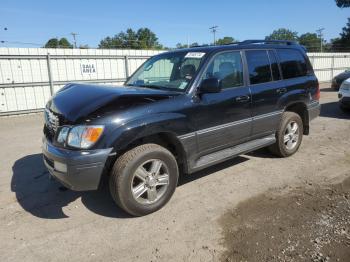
x,y
332,67
48,59
126,61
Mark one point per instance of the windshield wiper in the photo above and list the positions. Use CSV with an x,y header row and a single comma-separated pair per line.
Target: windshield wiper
x,y
153,86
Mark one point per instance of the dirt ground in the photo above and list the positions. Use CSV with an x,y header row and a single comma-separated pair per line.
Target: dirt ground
x,y
307,224
253,208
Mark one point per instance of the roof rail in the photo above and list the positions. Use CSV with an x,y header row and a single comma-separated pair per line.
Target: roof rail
x,y
286,42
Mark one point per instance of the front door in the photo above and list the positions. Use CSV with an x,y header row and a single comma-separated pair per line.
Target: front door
x,y
224,118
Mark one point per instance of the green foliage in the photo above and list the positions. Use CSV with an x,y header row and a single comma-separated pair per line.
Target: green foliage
x,y
58,43
282,34
143,38
343,42
180,46
342,3
64,43
311,41
225,40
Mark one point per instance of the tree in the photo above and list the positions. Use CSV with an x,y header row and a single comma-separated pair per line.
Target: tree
x,y
282,34
180,46
143,38
58,43
64,43
311,41
52,43
342,3
225,40
343,42
147,39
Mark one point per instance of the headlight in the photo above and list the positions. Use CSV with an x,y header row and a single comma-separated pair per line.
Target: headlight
x,y
62,136
80,136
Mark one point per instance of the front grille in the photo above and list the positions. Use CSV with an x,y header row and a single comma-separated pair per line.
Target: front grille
x,y
52,122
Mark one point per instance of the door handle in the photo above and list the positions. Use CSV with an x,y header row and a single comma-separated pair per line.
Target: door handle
x,y
242,98
281,90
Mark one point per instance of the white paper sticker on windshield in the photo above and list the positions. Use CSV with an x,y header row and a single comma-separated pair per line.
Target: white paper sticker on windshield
x,y
194,55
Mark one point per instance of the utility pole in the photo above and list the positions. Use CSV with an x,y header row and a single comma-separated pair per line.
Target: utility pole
x,y
213,29
319,32
74,37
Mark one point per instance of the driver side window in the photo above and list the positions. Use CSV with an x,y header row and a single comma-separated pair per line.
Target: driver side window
x,y
227,67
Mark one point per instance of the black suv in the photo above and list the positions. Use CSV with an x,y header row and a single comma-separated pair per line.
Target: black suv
x,y
180,112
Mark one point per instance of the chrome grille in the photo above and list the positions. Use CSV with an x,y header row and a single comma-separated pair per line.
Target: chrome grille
x,y
52,121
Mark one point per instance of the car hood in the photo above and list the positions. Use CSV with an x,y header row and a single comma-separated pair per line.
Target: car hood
x,y
76,101
343,76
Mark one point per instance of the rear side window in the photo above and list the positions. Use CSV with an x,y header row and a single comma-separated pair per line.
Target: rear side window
x,y
258,66
292,62
274,66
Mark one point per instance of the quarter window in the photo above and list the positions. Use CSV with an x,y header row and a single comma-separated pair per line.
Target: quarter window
x,y
292,62
258,66
227,67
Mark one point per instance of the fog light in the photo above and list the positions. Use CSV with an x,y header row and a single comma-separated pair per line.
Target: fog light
x,y
60,167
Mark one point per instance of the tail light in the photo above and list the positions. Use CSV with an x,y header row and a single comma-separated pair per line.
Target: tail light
x,y
318,92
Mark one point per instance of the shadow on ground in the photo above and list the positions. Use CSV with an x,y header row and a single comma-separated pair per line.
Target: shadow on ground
x,y
328,89
46,198
333,110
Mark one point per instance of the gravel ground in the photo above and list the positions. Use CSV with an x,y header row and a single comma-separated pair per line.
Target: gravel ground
x,y
40,221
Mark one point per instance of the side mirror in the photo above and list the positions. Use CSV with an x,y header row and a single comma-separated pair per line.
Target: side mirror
x,y
210,85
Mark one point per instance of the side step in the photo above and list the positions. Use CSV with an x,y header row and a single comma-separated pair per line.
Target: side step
x,y
234,151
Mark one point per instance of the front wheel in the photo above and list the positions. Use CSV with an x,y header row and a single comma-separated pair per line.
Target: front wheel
x,y
143,179
288,136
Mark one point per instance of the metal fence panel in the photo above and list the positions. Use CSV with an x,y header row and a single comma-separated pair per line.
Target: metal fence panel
x,y
29,76
328,65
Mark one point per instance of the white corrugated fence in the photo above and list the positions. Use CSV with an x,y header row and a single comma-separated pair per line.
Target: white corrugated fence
x,y
29,76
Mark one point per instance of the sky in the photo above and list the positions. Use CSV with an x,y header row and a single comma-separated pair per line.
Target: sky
x,y
172,21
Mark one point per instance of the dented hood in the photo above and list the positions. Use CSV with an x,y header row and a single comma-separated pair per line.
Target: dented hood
x,y
75,101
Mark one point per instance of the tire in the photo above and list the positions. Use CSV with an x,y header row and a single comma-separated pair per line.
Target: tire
x,y
286,149
126,184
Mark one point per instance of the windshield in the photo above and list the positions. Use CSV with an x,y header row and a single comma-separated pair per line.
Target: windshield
x,y
172,71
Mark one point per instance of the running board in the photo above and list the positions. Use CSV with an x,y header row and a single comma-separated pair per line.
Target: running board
x,y
232,152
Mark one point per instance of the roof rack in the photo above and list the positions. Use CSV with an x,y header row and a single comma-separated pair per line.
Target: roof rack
x,y
247,42
286,42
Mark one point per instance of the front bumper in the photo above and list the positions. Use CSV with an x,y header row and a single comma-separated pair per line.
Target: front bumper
x,y
344,97
314,110
77,170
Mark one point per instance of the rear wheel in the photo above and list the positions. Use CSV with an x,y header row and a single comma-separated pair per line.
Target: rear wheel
x,y
288,136
143,179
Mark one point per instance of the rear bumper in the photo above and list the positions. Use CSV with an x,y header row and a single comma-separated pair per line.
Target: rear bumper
x,y
77,170
314,110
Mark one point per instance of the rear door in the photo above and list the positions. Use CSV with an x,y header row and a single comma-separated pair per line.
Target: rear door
x,y
266,88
